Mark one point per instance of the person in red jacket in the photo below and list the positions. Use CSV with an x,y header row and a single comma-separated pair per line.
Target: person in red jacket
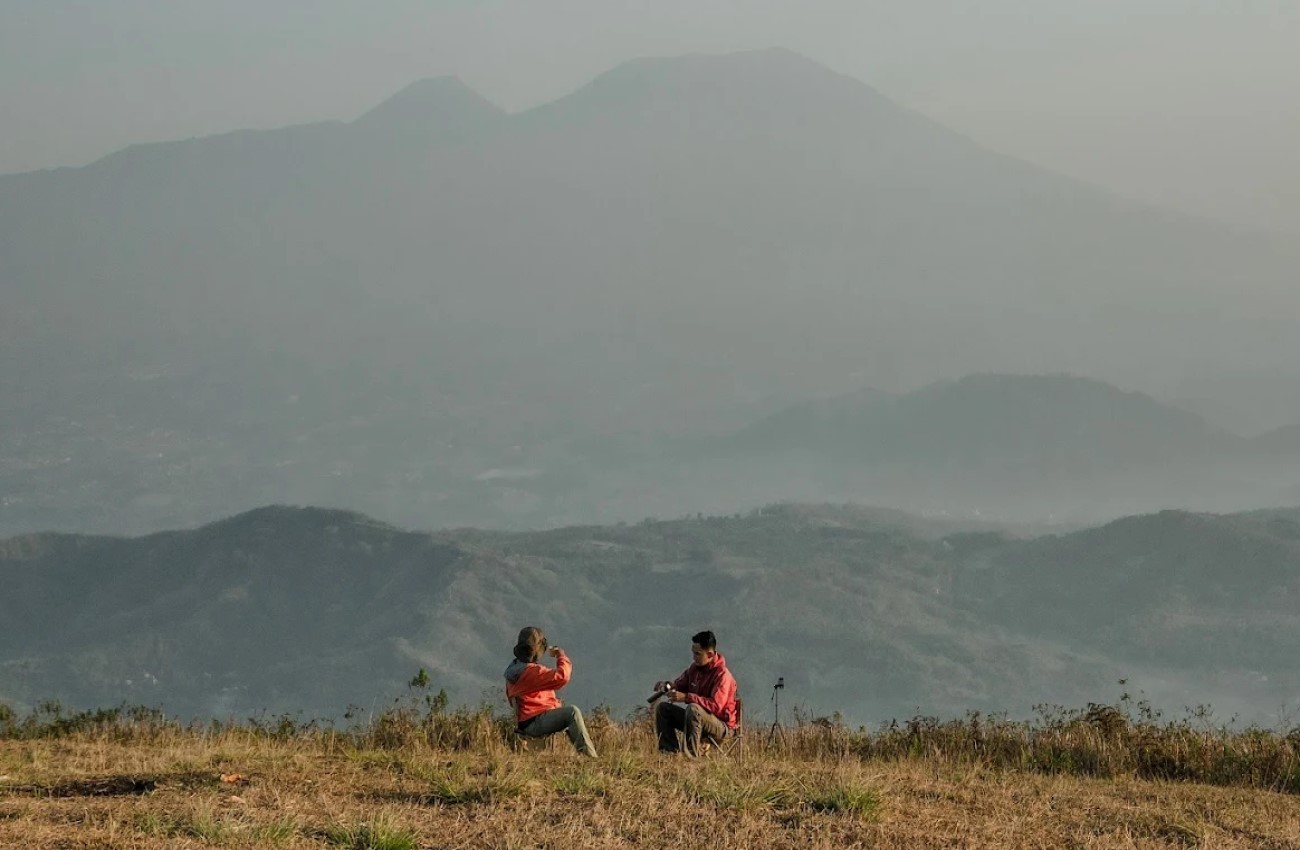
x,y
700,703
531,687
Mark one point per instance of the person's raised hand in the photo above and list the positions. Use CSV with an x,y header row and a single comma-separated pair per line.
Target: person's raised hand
x,y
554,652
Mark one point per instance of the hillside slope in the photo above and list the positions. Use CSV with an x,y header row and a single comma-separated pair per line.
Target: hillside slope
x,y
869,613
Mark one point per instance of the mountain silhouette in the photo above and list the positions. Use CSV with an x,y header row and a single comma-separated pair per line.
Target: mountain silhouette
x,y
438,289
1040,421
1057,447
436,102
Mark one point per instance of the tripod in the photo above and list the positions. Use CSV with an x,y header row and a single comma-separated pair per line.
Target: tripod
x,y
776,731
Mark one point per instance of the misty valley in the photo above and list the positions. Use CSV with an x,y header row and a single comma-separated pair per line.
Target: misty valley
x,y
634,363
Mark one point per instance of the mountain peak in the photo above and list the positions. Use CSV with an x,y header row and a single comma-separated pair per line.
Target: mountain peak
x,y
770,60
742,97
285,516
1058,420
1063,398
432,102
774,69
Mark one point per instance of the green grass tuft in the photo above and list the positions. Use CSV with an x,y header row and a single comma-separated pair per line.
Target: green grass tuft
x,y
581,782
849,798
380,834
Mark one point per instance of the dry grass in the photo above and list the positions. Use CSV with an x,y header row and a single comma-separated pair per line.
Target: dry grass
x,y
161,787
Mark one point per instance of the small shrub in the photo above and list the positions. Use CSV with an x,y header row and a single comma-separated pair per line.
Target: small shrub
x,y
51,719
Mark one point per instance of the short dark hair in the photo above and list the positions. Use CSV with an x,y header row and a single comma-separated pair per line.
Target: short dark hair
x,y
705,640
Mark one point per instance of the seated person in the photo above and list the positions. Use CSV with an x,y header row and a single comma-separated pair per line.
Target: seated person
x,y
700,702
531,687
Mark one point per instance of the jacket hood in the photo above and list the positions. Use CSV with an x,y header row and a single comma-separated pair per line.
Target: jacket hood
x,y
515,670
718,663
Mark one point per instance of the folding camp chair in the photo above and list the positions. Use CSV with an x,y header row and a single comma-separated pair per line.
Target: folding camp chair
x,y
521,743
733,741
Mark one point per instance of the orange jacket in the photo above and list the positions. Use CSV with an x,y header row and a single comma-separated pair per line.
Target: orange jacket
x,y
531,687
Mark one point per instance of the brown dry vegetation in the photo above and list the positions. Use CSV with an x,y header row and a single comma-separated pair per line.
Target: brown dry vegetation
x,y
452,780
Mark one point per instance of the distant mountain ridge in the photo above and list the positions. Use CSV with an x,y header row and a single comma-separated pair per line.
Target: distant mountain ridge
x,y
372,313
1060,446
872,613
992,417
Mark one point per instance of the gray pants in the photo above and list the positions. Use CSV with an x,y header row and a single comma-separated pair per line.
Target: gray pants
x,y
689,719
566,718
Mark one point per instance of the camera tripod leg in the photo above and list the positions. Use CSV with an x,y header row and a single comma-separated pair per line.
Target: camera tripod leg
x,y
776,731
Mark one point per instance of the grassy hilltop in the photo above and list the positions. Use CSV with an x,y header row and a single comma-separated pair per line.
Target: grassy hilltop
x,y
420,777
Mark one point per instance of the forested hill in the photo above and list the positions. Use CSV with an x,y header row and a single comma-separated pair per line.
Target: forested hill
x,y
873,613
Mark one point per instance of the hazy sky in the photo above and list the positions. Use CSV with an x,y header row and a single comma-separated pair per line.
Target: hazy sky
x,y
1188,103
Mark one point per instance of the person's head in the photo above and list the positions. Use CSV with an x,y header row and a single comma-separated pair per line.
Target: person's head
x,y
531,644
704,648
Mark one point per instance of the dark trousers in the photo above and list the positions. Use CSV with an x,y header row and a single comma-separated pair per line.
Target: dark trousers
x,y
692,721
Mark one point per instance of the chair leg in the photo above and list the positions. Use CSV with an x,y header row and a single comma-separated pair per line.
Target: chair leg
x,y
525,744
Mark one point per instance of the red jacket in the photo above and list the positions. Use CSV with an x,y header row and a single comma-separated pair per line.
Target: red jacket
x,y
712,688
531,687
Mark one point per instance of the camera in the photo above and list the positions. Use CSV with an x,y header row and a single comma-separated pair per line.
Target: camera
x,y
780,683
